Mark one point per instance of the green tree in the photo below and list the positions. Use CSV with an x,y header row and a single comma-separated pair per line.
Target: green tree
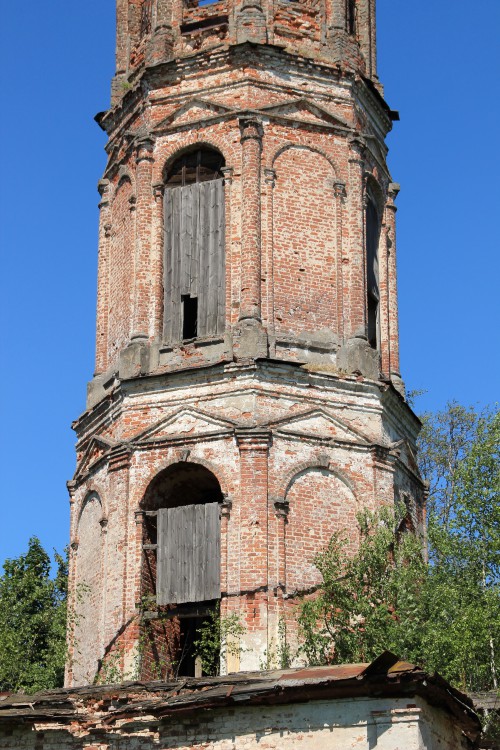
x,y
369,602
444,615
463,636
32,621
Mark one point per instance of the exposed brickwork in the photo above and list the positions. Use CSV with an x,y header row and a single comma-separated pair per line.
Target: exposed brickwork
x,y
299,420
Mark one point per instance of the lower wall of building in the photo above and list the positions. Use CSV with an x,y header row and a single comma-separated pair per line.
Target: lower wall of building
x,y
357,724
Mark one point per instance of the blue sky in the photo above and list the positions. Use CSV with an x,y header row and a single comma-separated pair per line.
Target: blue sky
x,y
440,65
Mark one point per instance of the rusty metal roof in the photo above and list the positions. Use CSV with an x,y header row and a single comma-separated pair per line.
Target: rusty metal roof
x,y
107,704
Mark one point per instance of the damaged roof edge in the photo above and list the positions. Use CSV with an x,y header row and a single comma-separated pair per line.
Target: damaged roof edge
x,y
384,677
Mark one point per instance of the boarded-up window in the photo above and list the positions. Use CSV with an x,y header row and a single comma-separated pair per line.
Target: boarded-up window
x,y
188,554
372,275
194,271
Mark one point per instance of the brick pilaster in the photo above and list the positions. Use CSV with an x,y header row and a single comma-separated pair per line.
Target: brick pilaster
x,y
144,280
340,197
254,566
101,353
392,303
251,142
355,259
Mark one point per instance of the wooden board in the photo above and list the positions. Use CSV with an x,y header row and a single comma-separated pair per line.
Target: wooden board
x,y
194,262
188,565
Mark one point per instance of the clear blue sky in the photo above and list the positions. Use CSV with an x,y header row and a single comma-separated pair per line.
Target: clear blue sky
x,y
440,65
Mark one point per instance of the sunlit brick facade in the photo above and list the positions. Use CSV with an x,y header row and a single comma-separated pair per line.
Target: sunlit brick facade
x,y
247,333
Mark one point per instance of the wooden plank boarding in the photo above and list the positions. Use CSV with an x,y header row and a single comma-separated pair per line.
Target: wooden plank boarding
x,y
221,258
194,256
176,266
212,260
188,563
167,266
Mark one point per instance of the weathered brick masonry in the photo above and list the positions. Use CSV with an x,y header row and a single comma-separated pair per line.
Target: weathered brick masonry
x,y
247,335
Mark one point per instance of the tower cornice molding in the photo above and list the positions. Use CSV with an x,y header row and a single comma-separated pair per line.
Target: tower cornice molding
x,y
160,75
252,438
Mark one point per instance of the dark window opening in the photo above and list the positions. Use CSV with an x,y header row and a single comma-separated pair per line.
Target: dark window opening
x,y
372,321
189,317
372,282
351,17
188,663
195,166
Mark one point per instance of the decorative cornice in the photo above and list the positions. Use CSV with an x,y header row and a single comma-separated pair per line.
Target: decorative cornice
x,y
339,189
226,505
119,458
270,177
103,189
253,439
281,508
144,150
227,173
251,129
392,194
158,190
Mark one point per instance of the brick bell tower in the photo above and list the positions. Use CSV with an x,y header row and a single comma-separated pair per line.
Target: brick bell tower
x,y
247,399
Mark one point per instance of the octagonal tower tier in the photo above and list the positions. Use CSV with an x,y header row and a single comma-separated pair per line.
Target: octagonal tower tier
x,y
247,400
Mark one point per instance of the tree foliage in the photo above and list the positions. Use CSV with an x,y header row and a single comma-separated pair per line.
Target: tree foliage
x,y
32,621
217,634
369,602
444,615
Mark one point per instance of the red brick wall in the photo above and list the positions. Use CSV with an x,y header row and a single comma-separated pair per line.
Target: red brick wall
x,y
319,505
304,242
121,270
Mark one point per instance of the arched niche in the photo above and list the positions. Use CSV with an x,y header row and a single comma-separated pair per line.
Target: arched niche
x,y
304,248
319,504
121,266
89,593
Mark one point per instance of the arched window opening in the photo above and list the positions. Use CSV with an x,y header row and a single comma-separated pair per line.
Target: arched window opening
x,y
194,275
181,557
372,280
351,17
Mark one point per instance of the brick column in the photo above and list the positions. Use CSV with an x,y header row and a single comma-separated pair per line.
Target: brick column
x,y
73,548
251,142
122,50
251,23
392,290
337,15
365,27
383,282
267,253
254,533
157,260
120,576
227,173
340,195
160,47
103,278
143,287
355,301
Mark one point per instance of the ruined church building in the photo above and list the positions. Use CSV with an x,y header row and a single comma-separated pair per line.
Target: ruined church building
x,y
247,401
